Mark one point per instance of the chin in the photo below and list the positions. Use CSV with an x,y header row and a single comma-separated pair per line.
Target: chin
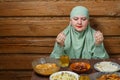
x,y
79,30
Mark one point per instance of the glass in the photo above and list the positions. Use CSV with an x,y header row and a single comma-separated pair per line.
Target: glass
x,y
84,77
64,61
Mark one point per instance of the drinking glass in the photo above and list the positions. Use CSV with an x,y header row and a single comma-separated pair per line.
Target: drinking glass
x,y
64,61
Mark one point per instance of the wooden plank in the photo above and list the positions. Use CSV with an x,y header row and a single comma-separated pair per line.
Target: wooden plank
x,y
112,45
46,26
24,49
58,8
15,75
31,26
108,26
23,62
29,41
113,49
17,62
48,42
45,45
115,56
28,0
112,41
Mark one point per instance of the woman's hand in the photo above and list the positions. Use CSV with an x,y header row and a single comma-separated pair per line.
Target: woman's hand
x,y
98,37
60,38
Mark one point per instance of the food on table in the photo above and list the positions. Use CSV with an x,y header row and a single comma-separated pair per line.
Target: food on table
x,y
80,67
109,77
64,76
46,68
106,66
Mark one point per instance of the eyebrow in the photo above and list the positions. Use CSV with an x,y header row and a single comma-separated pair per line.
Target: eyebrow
x,y
80,17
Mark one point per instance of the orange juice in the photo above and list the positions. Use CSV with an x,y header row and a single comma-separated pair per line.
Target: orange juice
x,y
64,61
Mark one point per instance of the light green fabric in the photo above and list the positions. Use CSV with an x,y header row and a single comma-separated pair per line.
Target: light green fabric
x,y
79,11
79,44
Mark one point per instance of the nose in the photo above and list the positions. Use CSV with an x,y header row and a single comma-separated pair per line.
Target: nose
x,y
79,21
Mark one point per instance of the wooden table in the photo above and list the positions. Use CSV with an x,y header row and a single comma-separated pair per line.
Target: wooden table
x,y
92,70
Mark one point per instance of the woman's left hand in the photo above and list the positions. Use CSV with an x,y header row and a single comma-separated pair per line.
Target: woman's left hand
x,y
98,37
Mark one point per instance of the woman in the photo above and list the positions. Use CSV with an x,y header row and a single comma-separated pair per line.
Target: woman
x,y
79,40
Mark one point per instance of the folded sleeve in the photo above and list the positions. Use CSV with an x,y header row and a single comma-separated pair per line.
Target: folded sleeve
x,y
57,51
100,52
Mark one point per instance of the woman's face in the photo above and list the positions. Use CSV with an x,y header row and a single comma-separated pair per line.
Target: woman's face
x,y
79,23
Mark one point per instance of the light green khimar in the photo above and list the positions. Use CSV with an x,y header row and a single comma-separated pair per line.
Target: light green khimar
x,y
79,44
79,11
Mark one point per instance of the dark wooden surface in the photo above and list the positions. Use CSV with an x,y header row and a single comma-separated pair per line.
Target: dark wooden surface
x,y
92,70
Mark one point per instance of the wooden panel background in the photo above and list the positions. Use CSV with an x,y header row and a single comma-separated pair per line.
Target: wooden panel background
x,y
28,29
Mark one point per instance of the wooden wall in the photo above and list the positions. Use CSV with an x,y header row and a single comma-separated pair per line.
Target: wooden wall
x,y
28,29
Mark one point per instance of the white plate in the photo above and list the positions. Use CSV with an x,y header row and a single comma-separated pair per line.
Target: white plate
x,y
64,75
107,66
96,75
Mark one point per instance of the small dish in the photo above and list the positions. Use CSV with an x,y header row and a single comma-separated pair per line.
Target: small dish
x,y
80,67
64,75
107,66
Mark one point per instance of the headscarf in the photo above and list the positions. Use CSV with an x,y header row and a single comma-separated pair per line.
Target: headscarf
x,y
79,44
79,11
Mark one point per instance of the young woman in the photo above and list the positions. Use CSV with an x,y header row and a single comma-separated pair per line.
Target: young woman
x,y
79,40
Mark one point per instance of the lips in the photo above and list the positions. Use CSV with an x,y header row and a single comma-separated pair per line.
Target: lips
x,y
78,26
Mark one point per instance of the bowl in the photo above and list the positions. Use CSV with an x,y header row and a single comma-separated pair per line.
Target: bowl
x,y
64,75
45,66
107,66
105,76
80,67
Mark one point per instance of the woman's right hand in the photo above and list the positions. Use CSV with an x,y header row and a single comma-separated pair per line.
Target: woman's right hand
x,y
60,38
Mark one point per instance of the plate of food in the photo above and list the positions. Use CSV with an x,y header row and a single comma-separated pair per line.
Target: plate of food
x,y
107,66
64,75
105,76
80,67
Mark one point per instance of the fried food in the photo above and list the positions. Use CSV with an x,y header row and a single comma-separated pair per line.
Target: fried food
x,y
46,69
109,77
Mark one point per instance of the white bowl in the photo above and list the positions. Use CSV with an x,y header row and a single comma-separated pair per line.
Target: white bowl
x,y
64,75
107,66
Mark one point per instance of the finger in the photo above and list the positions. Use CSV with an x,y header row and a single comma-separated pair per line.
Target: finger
x,y
60,42
60,38
98,34
98,37
60,35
